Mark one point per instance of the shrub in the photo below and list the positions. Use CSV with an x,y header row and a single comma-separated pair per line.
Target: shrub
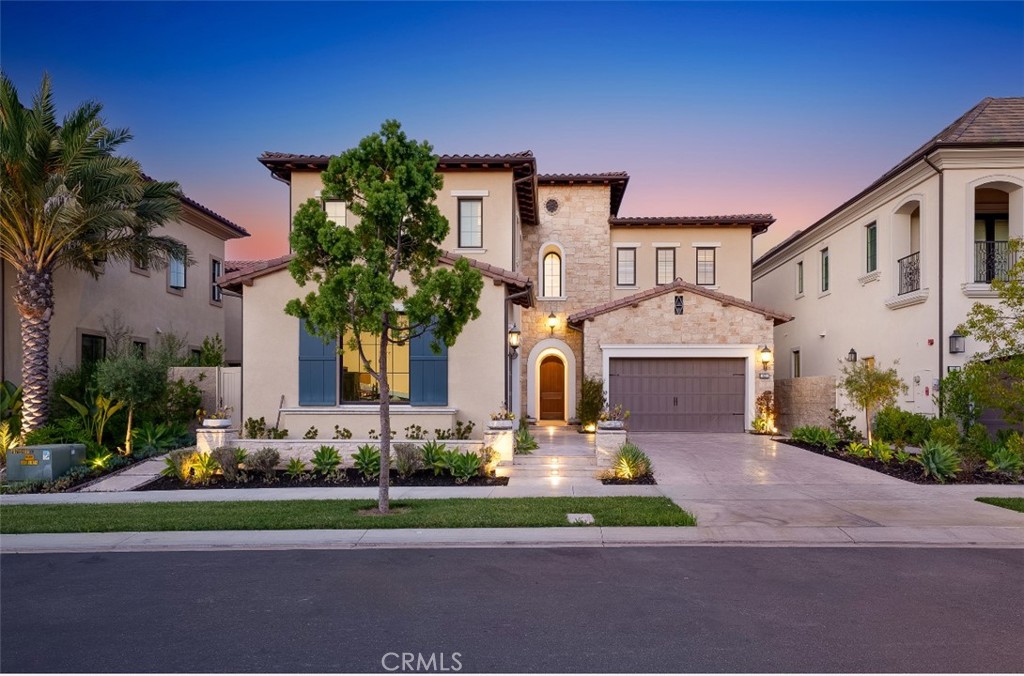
x,y
254,428
764,423
591,401
407,459
326,460
342,432
978,444
229,460
62,431
630,462
415,432
176,464
264,461
8,439
433,455
296,469
211,352
817,436
939,461
460,432
902,428
945,431
311,433
524,442
153,438
1006,461
181,400
881,451
202,468
366,459
463,466
488,461
68,479
902,457
99,459
10,406
858,450
843,425
74,383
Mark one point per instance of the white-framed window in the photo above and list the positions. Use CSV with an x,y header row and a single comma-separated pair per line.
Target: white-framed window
x,y
625,266
706,266
825,279
176,275
552,281
336,211
665,262
471,223
799,278
216,270
870,247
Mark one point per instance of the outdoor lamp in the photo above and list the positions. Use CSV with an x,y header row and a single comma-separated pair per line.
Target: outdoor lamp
x,y
552,322
957,343
766,357
852,355
514,335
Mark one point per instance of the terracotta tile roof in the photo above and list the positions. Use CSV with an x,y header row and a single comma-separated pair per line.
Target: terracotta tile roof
x,y
991,123
250,270
618,180
188,201
232,266
675,287
522,164
759,222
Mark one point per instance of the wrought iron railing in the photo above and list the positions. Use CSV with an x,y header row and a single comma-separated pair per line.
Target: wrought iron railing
x,y
910,273
992,260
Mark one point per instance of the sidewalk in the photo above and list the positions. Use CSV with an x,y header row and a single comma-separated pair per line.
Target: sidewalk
x,y
580,536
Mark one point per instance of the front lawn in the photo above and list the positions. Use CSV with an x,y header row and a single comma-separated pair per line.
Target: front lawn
x,y
1016,504
330,514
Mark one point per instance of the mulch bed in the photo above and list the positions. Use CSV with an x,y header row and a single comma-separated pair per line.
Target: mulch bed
x,y
349,478
642,481
911,471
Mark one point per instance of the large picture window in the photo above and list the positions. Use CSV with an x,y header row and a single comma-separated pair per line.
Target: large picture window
x,y
358,386
666,266
471,228
625,267
706,266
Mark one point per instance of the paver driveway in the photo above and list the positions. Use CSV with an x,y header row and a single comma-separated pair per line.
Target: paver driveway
x,y
748,480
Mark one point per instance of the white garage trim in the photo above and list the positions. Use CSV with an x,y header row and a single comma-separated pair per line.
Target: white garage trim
x,y
546,347
746,352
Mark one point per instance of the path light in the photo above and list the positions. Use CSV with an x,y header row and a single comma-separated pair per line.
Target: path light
x,y
552,322
514,338
851,355
957,343
766,357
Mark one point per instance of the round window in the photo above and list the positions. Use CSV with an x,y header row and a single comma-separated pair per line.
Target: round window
x,y
551,205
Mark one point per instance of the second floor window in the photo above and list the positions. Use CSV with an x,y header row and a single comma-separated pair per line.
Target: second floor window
x,y
666,266
796,363
824,270
471,227
176,274
800,278
552,275
215,272
625,267
706,266
871,246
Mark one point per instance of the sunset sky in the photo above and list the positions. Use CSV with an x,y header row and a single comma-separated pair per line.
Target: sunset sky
x,y
711,108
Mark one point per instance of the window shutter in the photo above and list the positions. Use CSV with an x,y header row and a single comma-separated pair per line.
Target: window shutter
x,y
428,373
318,363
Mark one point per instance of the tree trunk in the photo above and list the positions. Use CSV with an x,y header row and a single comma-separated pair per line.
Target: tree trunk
x,y
128,433
33,296
383,504
867,422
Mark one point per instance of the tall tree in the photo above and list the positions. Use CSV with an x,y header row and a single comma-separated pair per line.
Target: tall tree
x,y
870,388
67,201
378,282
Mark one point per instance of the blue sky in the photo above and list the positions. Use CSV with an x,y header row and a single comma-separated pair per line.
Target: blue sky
x,y
713,108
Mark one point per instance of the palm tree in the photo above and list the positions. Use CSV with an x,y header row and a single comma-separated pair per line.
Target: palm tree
x,y
67,201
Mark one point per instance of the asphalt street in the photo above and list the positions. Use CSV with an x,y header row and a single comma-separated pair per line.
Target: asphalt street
x,y
684,609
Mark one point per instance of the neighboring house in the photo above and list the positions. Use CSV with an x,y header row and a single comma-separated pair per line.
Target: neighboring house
x,y
659,309
181,299
890,273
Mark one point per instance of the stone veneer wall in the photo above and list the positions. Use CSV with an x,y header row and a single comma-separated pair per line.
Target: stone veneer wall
x,y
580,227
804,401
704,321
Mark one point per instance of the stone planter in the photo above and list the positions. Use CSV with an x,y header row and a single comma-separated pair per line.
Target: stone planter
x,y
611,425
217,423
500,424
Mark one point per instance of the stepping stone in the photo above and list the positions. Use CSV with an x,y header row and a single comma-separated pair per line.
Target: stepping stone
x,y
580,518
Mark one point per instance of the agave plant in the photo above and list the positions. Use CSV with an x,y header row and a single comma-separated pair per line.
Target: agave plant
x,y
939,461
630,462
326,460
1006,461
433,454
366,459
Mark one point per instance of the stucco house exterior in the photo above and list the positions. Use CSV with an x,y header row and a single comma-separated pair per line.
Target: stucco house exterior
x,y
185,300
659,308
890,273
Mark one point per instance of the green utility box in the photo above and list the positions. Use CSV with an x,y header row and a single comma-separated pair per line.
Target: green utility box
x,y
44,462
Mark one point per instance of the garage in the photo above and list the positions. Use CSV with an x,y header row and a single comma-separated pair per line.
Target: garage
x,y
680,394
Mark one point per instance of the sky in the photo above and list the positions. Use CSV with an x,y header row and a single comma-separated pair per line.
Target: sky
x,y
712,108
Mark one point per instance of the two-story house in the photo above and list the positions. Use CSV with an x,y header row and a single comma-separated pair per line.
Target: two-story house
x,y
658,308
889,274
180,299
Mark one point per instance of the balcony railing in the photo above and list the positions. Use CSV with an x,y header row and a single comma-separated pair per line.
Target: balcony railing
x,y
992,260
910,273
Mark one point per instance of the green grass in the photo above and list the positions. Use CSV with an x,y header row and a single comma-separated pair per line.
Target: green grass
x,y
305,514
1016,504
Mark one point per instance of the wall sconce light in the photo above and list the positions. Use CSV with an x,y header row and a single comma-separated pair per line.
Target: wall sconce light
x,y
766,357
514,338
851,356
957,343
552,322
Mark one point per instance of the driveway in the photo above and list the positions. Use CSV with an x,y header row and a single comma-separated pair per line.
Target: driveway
x,y
749,480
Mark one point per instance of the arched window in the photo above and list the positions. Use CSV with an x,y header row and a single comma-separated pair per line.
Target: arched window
x,y
552,275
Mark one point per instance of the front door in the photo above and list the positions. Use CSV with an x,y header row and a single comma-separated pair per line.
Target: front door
x,y
552,389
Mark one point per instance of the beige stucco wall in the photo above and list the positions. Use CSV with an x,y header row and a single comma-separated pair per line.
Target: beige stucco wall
x,y
495,188
83,304
732,256
270,368
854,314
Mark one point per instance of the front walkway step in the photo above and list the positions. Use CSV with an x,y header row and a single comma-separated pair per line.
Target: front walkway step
x,y
555,460
543,472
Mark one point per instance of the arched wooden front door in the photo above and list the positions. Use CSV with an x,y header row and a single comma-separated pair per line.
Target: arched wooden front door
x,y
552,388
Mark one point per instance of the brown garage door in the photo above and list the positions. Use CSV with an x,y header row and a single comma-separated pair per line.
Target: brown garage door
x,y
680,395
